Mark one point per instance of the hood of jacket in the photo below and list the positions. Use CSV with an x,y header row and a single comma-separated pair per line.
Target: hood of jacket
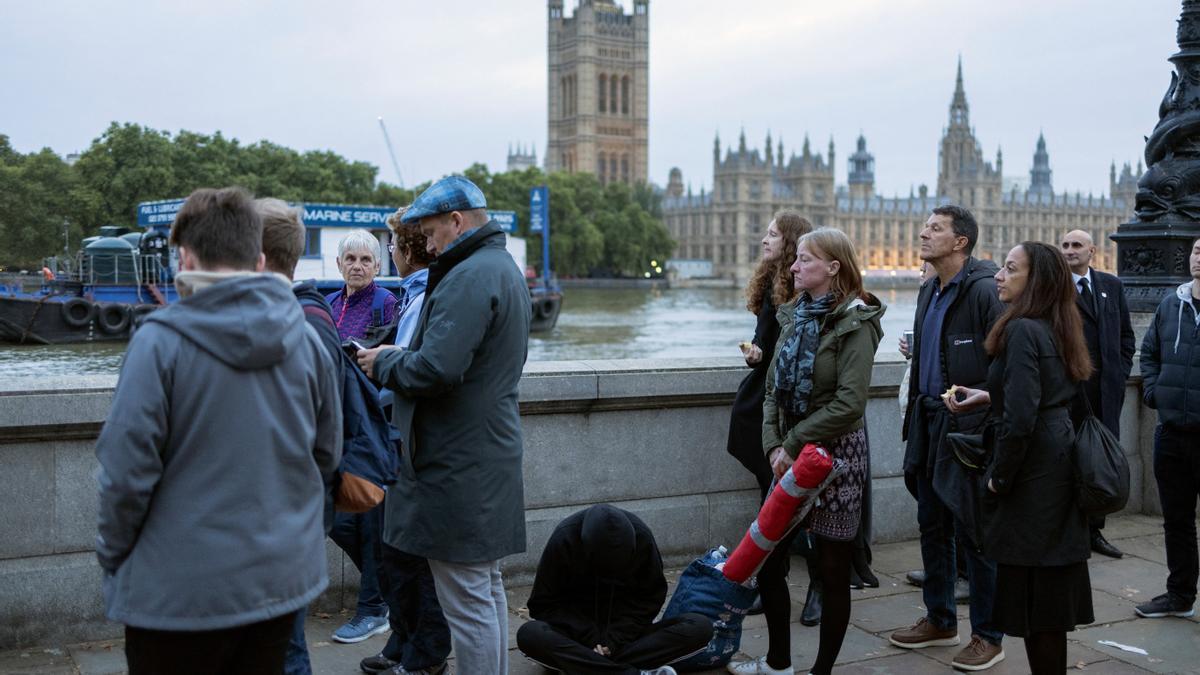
x,y
847,316
1184,293
246,321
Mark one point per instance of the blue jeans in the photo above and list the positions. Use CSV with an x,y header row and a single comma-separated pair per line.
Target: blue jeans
x,y
357,534
1177,471
296,661
939,531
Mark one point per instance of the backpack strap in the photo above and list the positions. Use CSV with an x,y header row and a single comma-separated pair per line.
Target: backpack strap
x,y
377,305
312,308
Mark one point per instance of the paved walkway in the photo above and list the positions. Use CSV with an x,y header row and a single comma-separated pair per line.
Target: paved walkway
x,y
1173,645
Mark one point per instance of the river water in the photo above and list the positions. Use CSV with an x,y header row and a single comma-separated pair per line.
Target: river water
x,y
594,324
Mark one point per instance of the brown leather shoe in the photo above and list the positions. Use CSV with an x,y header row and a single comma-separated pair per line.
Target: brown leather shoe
x,y
924,634
979,654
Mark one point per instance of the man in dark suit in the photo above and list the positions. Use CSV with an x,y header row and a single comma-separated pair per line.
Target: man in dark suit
x,y
1109,336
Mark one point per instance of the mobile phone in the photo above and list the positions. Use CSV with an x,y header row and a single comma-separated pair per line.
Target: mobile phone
x,y
352,346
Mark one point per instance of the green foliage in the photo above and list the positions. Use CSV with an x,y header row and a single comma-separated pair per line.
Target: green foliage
x,y
613,230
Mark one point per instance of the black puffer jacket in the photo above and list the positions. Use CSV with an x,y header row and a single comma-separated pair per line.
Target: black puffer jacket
x,y
964,360
1171,361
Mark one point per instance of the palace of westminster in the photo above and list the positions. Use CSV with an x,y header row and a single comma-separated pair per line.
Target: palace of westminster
x,y
598,112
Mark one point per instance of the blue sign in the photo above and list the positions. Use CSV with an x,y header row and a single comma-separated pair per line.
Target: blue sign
x,y
336,215
507,220
314,215
158,213
539,208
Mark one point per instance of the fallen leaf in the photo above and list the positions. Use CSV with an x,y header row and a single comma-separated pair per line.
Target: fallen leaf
x,y
1080,666
322,615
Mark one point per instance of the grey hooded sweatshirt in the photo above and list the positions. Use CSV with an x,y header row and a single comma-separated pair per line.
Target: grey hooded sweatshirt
x,y
226,419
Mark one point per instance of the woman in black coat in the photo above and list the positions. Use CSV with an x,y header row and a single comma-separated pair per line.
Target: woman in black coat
x,y
770,287
1033,527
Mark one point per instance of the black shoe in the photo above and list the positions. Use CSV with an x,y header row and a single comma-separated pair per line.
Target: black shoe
x,y
1100,545
1164,605
860,571
916,578
811,616
439,669
755,607
377,664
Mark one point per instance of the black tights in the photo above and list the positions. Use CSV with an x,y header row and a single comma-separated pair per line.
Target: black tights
x,y
835,557
1047,651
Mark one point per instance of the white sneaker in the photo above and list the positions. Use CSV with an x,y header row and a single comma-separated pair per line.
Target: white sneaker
x,y
756,667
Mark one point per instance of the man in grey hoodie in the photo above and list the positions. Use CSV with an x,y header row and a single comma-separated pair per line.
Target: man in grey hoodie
x,y
1171,385
225,424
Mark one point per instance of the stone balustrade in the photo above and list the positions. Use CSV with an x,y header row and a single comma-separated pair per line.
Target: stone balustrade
x,y
646,435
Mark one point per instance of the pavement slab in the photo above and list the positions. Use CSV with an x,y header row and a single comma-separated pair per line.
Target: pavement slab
x,y
1173,644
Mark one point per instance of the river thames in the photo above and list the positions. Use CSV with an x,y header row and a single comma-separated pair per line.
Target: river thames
x,y
594,324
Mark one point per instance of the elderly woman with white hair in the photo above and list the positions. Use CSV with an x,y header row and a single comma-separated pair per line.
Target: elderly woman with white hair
x,y
361,304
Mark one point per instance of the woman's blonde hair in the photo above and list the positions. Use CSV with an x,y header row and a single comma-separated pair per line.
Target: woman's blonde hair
x,y
833,244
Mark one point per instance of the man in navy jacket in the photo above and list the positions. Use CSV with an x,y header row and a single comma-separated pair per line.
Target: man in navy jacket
x,y
1171,385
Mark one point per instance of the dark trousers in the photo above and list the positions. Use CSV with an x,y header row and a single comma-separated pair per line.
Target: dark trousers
x,y
358,535
420,636
1177,470
297,662
253,649
939,535
666,641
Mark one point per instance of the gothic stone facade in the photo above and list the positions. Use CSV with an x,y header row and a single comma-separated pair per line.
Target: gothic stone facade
x,y
599,90
727,224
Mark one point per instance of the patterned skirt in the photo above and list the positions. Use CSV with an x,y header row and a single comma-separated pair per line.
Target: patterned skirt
x,y
838,513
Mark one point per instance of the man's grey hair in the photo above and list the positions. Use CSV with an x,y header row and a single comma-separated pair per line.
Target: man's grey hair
x,y
359,240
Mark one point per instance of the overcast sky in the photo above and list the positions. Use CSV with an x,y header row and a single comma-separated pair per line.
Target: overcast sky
x,y
458,80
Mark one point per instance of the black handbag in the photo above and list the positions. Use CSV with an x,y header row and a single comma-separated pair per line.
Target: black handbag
x,y
1101,470
973,451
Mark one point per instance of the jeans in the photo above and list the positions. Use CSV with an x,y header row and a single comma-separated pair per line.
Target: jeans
x,y
296,661
1177,471
472,597
357,535
939,530
420,637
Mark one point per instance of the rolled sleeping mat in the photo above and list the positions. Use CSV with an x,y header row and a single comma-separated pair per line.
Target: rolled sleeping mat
x,y
789,501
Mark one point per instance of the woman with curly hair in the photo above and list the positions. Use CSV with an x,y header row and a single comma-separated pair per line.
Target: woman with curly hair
x,y
770,287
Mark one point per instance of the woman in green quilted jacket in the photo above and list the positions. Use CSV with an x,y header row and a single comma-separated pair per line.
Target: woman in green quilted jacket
x,y
817,393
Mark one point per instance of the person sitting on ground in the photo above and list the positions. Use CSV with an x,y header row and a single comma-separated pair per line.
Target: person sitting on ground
x,y
362,304
598,587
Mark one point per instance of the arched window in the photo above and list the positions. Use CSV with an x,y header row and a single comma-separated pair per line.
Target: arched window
x,y
566,88
625,95
600,167
625,168
612,99
612,167
603,106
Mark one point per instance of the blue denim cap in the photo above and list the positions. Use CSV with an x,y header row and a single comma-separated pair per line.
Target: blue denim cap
x,y
452,193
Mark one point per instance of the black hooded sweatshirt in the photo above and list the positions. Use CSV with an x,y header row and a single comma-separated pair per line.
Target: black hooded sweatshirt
x,y
600,579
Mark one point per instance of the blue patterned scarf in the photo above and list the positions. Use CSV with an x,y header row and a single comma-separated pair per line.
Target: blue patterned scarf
x,y
794,367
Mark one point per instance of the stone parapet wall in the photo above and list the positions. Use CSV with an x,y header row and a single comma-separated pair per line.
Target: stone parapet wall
x,y
646,435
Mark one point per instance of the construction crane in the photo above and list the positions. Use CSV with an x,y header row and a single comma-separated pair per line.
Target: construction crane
x,y
391,152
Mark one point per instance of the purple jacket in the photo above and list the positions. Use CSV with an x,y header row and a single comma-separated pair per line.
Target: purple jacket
x,y
353,315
